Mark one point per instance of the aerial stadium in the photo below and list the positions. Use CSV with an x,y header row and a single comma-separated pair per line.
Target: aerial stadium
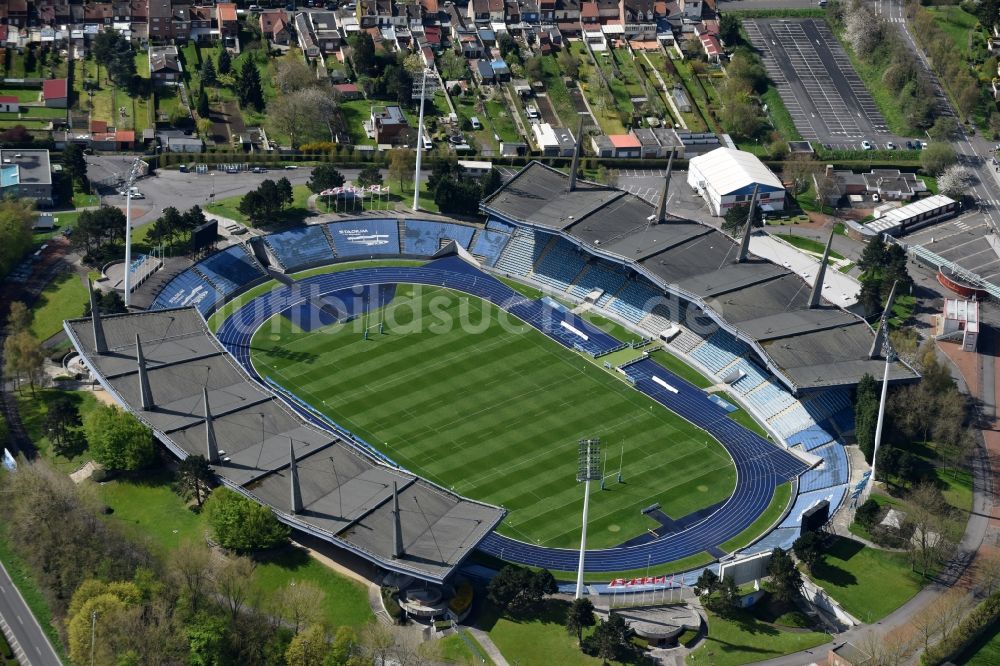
x,y
412,390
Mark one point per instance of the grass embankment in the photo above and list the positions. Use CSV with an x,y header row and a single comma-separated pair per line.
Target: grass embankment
x,y
869,583
65,297
743,638
478,384
809,245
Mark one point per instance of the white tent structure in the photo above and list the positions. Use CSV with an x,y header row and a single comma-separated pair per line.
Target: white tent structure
x,y
726,177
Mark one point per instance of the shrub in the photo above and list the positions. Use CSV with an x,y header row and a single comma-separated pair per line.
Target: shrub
x,y
462,599
241,524
391,604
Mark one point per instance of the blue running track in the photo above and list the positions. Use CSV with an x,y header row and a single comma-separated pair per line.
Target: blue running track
x,y
760,465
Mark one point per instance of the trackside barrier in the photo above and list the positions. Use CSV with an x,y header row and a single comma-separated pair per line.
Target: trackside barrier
x,y
620,347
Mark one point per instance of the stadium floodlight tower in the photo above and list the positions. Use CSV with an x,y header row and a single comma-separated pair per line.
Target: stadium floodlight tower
x,y
133,174
422,91
588,469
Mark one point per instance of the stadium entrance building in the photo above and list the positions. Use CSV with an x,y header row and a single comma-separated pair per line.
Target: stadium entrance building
x,y
727,177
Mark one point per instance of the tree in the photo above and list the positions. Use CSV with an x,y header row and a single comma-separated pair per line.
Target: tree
x,y
927,517
189,566
863,30
249,88
324,177
23,358
707,583
19,318
735,219
236,583
253,206
75,162
292,75
308,648
515,589
225,62
937,157
369,175
867,514
194,478
16,219
306,115
956,181
945,129
118,440
62,417
208,75
569,64
533,69
453,66
363,54
300,604
809,549
580,616
241,524
401,164
286,194
611,639
202,107
866,405
729,29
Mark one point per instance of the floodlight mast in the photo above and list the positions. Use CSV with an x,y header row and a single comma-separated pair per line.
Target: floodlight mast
x,y
588,469
890,356
420,135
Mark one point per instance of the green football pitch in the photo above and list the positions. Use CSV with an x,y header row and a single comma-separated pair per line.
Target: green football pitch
x,y
460,392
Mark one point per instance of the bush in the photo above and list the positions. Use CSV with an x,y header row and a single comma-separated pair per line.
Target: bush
x,y
975,623
241,524
462,599
392,606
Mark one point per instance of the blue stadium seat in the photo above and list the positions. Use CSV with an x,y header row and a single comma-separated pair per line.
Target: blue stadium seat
x,y
805,501
521,252
489,244
635,300
425,237
230,269
560,265
187,289
600,275
833,472
300,248
363,238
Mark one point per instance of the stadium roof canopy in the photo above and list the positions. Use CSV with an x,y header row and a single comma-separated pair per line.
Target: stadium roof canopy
x,y
762,303
734,171
346,494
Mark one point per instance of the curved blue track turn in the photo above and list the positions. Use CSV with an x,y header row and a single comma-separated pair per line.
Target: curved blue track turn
x,y
760,465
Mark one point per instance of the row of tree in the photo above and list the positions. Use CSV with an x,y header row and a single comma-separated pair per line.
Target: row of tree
x,y
173,225
267,200
17,216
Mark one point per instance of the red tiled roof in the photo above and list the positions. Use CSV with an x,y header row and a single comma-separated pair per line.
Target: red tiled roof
x,y
624,141
125,136
54,89
97,126
346,88
711,45
430,6
589,10
8,99
227,11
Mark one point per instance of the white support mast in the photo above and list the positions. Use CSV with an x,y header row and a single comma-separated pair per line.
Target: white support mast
x,y
588,469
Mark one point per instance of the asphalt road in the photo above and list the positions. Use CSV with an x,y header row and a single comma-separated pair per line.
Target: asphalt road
x,y
30,644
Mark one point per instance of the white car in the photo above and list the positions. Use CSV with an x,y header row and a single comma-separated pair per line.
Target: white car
x,y
866,145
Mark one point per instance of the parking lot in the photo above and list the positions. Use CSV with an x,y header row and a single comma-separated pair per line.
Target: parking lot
x,y
827,100
963,241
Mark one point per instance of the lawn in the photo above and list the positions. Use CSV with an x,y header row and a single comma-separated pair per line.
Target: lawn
x,y
22,94
541,638
296,212
33,410
558,94
743,639
63,298
151,511
455,649
984,652
779,501
869,583
482,407
356,112
809,245
957,24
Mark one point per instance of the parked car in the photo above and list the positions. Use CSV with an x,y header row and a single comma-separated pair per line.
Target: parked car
x,y
866,145
909,145
890,145
259,170
291,166
476,125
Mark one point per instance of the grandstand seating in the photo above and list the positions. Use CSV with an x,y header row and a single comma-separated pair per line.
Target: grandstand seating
x,y
686,340
751,379
635,300
804,501
601,275
769,399
824,404
360,238
791,420
810,438
782,537
230,269
834,471
300,248
521,252
489,244
497,225
718,351
559,265
187,289
424,237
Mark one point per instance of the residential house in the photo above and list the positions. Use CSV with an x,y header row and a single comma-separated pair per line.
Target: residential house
x,y
161,18
469,46
98,13
55,93
17,12
885,184
325,32
307,42
26,173
500,70
483,72
274,26
625,146
226,20
201,23
9,104
691,9
513,11
486,11
164,64
180,22
389,125
547,10
710,45
530,11
553,141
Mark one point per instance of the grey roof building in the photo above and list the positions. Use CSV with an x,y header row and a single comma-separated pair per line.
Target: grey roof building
x,y
26,172
168,369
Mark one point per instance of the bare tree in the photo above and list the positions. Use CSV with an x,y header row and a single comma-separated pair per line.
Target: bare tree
x,y
377,641
300,604
927,516
891,648
292,74
305,115
190,566
236,583
987,570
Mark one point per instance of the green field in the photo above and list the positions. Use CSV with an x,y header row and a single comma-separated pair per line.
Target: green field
x,y
494,412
